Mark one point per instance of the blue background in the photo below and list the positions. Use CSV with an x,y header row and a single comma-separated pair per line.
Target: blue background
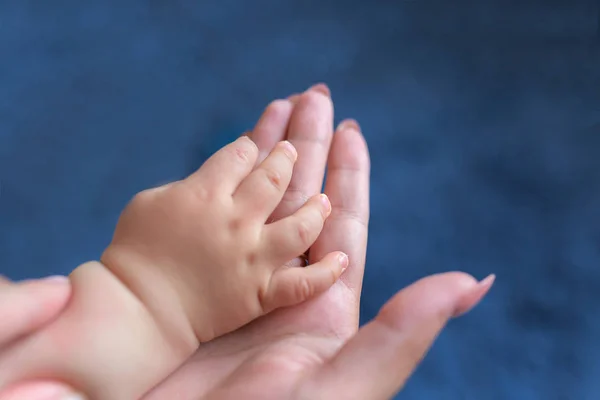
x,y
483,120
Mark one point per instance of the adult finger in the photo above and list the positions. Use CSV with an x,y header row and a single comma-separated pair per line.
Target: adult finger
x,y
40,391
376,362
310,131
347,186
26,306
272,126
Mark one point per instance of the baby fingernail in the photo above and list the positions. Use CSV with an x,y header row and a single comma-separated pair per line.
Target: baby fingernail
x,y
44,391
343,260
56,279
325,203
73,396
290,149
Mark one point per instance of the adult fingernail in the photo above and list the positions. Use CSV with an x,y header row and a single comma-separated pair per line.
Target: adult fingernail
x,y
321,88
487,282
474,296
349,124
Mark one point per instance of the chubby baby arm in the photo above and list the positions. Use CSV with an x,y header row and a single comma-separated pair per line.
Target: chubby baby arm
x,y
189,261
106,343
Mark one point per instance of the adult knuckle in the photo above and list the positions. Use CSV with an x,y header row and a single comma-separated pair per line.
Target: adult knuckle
x,y
295,195
359,217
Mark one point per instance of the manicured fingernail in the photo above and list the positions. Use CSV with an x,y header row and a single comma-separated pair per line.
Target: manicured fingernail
x,y
487,282
474,296
293,98
326,203
290,149
321,88
343,260
349,124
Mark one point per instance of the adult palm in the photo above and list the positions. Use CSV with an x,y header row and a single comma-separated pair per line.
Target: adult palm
x,y
315,350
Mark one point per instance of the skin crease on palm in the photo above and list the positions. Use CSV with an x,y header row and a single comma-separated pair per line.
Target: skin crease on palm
x,y
314,350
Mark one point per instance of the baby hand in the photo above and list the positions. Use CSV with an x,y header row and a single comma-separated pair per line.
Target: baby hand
x,y
205,243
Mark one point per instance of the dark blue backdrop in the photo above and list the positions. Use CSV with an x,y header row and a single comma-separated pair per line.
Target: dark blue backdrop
x,y
483,119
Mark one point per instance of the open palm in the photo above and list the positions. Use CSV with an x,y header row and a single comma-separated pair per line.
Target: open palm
x,y
313,350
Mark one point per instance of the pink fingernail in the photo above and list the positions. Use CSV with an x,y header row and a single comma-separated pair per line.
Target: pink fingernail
x,y
487,282
474,296
343,260
349,124
321,88
326,203
44,391
73,396
56,279
290,149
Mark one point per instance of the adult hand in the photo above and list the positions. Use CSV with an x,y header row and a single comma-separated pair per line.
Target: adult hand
x,y
24,308
315,350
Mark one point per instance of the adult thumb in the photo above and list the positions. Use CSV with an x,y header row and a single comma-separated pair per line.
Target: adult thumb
x,y
378,360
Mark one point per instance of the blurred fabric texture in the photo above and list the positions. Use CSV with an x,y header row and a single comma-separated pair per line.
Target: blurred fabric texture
x,y
482,117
